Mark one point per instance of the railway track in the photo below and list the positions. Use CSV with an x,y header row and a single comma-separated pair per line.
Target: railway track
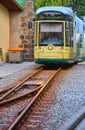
x,y
33,86
19,80
18,86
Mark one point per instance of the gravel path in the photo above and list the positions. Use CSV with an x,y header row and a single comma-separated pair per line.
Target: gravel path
x,y
69,97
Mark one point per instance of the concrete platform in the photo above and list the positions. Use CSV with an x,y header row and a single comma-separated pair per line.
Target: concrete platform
x,y
10,68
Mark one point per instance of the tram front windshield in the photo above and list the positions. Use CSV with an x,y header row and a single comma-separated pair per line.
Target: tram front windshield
x,y
51,33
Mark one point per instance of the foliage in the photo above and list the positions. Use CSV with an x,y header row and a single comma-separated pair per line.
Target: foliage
x,y
77,5
80,7
41,3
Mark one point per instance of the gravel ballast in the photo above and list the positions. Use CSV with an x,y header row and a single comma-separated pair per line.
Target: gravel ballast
x,y
69,97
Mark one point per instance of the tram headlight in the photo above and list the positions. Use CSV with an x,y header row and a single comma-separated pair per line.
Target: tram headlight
x,y
59,50
41,50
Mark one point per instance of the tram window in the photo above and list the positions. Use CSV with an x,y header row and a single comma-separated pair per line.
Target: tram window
x,y
51,33
67,25
71,41
36,25
80,41
71,29
67,38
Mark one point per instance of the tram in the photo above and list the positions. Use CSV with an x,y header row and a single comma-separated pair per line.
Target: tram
x,y
59,36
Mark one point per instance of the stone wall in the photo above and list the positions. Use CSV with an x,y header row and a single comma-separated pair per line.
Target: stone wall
x,y
21,29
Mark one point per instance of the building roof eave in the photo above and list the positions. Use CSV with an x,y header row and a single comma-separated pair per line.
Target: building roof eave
x,y
11,5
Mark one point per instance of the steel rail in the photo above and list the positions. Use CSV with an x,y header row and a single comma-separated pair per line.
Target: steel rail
x,y
16,122
10,91
17,98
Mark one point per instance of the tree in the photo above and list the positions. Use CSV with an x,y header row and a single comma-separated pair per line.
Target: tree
x,y
77,5
42,3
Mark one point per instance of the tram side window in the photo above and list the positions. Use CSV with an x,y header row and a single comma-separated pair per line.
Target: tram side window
x,y
69,35
67,38
35,38
80,41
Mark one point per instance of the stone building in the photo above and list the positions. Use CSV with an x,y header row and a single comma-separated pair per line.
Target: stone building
x,y
16,18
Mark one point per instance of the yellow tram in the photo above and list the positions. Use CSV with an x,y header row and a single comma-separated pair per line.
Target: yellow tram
x,y
59,36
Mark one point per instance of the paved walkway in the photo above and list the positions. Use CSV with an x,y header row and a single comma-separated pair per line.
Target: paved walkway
x,y
9,68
